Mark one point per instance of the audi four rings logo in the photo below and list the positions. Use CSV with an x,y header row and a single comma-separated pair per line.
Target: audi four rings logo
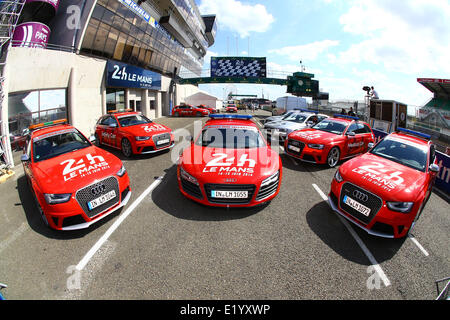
x,y
360,195
98,189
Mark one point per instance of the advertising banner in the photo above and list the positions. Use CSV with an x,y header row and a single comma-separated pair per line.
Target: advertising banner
x,y
238,67
122,75
31,34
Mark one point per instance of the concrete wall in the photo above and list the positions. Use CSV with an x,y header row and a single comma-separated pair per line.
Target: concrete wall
x,y
84,78
33,69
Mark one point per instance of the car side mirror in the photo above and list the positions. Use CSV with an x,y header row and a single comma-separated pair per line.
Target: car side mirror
x,y
112,125
24,158
370,145
351,134
434,168
92,139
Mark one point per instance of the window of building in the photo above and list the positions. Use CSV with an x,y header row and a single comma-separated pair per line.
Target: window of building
x,y
115,99
32,107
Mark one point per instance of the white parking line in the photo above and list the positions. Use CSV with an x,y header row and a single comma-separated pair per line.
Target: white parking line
x,y
358,240
80,266
414,240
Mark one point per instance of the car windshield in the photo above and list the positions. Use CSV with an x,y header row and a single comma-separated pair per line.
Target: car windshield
x,y
295,117
335,127
132,120
52,145
408,154
230,138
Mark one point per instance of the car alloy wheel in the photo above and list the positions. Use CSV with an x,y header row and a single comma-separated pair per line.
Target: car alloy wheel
x,y
126,148
333,157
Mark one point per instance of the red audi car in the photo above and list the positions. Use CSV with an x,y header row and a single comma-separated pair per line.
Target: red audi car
x,y
330,140
211,110
231,108
385,190
229,164
132,133
189,111
74,183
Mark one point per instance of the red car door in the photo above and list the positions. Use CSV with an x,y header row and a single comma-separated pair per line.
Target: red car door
x,y
354,141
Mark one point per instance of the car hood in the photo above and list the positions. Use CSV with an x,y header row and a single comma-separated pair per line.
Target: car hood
x,y
288,125
310,135
148,129
69,172
388,179
214,165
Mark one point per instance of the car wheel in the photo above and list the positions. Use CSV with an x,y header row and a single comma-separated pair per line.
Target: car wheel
x,y
126,148
198,114
333,157
176,114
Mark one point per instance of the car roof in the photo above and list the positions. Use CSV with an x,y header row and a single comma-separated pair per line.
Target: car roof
x,y
123,113
410,138
50,129
230,122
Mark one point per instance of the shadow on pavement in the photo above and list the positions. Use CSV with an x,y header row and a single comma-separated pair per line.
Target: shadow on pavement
x,y
328,227
168,198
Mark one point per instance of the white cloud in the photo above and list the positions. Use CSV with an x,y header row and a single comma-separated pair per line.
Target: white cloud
x,y
411,37
307,52
238,17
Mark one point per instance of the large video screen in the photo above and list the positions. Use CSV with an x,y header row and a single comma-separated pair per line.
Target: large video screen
x,y
238,67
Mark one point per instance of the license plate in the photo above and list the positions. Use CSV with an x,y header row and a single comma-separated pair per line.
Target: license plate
x,y
357,206
101,200
164,141
296,149
229,194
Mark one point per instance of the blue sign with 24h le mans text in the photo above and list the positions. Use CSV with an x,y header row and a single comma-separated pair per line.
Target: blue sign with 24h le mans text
x,y
123,75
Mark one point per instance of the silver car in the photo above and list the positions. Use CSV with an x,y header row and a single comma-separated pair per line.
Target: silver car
x,y
292,122
277,118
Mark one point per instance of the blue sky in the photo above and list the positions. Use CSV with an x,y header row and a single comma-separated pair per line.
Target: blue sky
x,y
346,44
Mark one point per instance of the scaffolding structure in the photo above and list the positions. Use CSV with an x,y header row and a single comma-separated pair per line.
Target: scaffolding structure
x,y
10,11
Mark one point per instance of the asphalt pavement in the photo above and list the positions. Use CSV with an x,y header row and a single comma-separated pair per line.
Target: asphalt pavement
x,y
164,246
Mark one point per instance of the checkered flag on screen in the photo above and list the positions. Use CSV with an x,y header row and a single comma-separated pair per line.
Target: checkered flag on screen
x,y
244,67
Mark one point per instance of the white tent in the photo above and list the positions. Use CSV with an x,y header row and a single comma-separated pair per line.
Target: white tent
x,y
205,99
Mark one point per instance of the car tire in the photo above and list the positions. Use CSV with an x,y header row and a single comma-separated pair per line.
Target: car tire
x,y
177,114
127,151
333,157
198,114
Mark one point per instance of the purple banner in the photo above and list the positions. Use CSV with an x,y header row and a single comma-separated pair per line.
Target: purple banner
x,y
54,3
31,34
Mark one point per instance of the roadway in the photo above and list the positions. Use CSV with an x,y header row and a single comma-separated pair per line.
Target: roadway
x,y
164,246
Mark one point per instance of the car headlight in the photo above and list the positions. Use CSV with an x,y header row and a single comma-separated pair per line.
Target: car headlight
x,y
403,207
316,146
187,176
121,171
271,179
55,198
338,177
142,138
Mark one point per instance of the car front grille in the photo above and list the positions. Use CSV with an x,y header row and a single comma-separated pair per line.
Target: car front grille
x,y
269,189
191,188
230,187
160,137
372,201
85,195
297,144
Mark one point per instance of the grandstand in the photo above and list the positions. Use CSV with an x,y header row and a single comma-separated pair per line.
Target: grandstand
x,y
434,116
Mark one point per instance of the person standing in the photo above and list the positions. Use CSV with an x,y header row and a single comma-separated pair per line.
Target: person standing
x,y
373,93
351,112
